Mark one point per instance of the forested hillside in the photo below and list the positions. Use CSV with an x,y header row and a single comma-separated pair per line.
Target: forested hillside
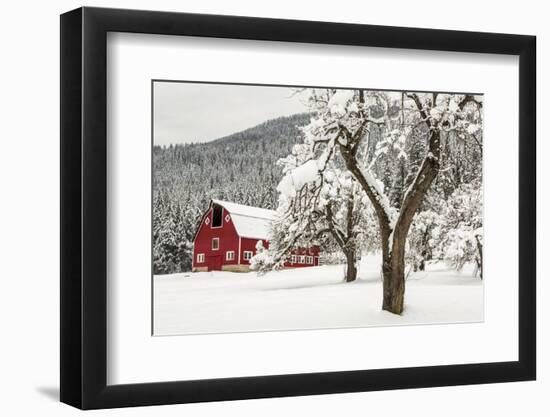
x,y
240,167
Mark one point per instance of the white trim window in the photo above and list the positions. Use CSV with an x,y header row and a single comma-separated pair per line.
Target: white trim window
x,y
200,258
302,259
309,260
293,259
230,255
247,255
215,243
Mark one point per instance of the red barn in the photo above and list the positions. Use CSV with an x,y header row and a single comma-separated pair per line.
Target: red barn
x,y
227,235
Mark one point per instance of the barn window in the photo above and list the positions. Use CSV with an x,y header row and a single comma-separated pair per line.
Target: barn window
x,y
309,259
217,216
200,258
247,255
293,259
302,259
229,255
215,243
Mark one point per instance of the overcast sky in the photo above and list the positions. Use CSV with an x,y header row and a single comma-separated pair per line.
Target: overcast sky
x,y
194,112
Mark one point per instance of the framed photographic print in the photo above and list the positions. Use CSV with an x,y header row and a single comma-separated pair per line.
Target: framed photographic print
x,y
256,208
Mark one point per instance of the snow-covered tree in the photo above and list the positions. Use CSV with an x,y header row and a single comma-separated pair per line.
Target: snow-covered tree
x,y
342,130
421,241
319,205
173,228
462,228
262,257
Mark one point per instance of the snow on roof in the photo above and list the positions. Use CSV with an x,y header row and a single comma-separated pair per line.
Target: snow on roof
x,y
251,222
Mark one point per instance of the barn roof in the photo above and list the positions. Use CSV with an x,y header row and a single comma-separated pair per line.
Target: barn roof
x,y
251,222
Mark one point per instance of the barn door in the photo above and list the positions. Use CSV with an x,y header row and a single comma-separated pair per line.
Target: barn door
x,y
215,263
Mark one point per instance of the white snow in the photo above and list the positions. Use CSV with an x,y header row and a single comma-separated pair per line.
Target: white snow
x,y
241,209
435,113
309,298
472,128
251,222
339,101
252,227
453,106
295,179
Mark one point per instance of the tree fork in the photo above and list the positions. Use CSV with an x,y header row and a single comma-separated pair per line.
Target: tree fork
x,y
393,261
394,288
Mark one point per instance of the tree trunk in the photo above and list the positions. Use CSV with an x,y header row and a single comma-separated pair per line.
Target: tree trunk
x,y
479,260
351,267
394,272
422,265
394,292
346,242
424,252
394,279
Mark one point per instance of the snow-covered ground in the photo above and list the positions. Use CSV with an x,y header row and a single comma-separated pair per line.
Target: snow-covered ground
x,y
309,298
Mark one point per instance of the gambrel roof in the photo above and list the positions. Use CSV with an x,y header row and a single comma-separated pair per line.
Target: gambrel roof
x,y
250,222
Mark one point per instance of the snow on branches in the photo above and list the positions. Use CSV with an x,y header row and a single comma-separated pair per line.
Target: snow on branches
x,y
380,153
450,230
461,238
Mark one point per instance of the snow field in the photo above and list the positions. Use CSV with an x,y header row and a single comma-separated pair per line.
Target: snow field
x,y
309,298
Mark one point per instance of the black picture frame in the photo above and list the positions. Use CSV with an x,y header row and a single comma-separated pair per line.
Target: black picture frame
x,y
84,207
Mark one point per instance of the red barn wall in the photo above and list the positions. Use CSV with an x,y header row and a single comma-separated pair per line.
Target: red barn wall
x,y
248,244
313,252
229,241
